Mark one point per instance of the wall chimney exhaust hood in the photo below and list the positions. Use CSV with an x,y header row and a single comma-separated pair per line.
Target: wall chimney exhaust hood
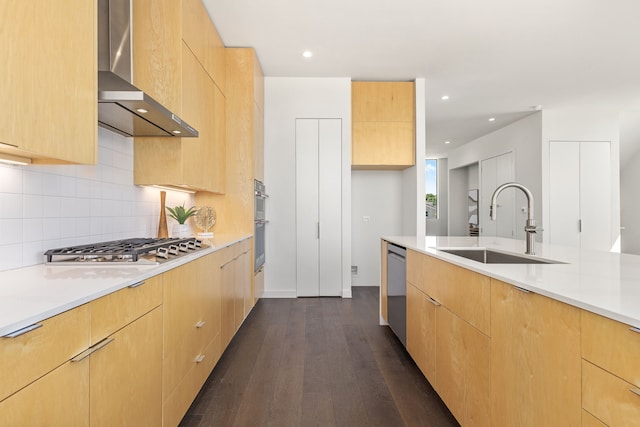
x,y
122,107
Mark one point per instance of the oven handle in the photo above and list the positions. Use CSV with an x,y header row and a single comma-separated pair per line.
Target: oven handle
x,y
260,221
260,194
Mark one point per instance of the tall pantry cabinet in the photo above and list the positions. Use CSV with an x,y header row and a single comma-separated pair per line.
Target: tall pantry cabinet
x,y
319,207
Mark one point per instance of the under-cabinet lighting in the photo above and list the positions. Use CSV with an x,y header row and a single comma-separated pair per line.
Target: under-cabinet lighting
x,y
176,132
14,160
141,110
182,190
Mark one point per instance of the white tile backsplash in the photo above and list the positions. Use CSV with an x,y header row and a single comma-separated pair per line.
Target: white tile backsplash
x,y
49,206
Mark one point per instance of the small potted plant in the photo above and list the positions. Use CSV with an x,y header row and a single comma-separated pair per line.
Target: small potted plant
x,y
180,214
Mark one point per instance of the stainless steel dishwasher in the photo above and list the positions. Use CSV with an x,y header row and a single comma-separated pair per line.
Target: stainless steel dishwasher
x,y
397,291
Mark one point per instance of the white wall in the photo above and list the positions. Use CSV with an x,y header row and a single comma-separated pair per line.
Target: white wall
x,y
376,204
46,207
286,99
523,137
578,125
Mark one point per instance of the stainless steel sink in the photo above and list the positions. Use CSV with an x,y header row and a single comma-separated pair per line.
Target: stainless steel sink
x,y
487,256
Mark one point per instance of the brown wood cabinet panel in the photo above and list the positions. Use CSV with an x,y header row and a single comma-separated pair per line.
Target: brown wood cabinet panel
x,y
383,101
589,420
464,292
49,71
611,345
60,398
382,145
126,375
25,358
116,310
415,269
383,125
421,331
608,397
463,369
157,47
535,359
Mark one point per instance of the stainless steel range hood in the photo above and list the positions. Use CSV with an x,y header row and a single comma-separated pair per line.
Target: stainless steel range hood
x,y
122,107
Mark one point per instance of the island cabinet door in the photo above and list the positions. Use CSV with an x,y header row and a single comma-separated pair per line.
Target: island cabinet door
x,y
535,359
421,331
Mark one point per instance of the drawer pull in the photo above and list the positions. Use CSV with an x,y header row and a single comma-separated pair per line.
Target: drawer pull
x,y
635,390
526,291
24,330
200,358
135,285
434,302
200,324
88,352
632,329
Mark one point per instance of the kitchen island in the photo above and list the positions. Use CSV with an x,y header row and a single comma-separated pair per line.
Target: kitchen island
x,y
524,344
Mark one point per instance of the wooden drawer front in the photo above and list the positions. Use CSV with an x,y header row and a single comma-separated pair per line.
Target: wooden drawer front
x,y
608,397
463,369
421,331
464,292
27,357
611,345
114,311
178,401
186,327
126,375
415,268
60,398
589,420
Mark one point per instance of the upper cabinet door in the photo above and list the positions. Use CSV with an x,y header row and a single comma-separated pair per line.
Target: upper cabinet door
x,y
49,80
383,125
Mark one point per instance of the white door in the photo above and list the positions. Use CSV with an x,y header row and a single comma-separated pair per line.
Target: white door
x,y
580,194
319,207
494,172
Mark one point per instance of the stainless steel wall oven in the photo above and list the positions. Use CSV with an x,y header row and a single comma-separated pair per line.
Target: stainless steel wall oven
x,y
259,221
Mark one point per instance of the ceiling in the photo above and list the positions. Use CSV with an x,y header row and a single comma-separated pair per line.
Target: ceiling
x,y
493,58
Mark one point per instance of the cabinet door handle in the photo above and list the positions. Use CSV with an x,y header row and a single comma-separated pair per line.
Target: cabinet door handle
x,y
200,358
23,331
526,291
635,390
434,302
88,352
633,329
135,285
200,324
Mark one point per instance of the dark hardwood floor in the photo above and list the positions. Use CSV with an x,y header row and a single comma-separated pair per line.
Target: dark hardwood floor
x,y
317,362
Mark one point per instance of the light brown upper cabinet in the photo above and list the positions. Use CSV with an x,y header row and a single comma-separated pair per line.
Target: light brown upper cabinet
x,y
172,64
49,80
383,125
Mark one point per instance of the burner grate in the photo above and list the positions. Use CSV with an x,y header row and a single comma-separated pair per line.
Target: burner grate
x,y
127,249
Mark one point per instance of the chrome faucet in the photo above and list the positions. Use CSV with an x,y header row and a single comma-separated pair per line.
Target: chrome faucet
x,y
530,227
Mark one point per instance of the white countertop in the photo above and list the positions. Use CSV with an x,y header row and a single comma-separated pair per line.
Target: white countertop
x,y
32,294
605,283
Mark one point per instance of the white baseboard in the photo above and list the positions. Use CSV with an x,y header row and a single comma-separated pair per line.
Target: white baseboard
x,y
279,294
346,293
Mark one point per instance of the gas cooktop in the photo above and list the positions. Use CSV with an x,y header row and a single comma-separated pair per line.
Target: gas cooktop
x,y
135,251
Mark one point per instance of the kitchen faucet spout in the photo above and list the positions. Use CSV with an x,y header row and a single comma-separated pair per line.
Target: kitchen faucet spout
x,y
530,227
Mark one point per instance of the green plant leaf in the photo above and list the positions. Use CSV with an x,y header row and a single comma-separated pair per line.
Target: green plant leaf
x,y
180,214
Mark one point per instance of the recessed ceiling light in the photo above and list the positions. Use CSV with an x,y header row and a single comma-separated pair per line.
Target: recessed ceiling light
x,y
445,97
447,142
141,110
492,119
307,54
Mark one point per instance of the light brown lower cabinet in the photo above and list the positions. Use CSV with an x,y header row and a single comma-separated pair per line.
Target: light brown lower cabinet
x,y
463,369
535,359
421,331
126,375
60,398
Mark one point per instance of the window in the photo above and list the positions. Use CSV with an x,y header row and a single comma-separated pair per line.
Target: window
x,y
431,188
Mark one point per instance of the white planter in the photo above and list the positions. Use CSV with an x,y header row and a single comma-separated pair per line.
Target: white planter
x,y
181,230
